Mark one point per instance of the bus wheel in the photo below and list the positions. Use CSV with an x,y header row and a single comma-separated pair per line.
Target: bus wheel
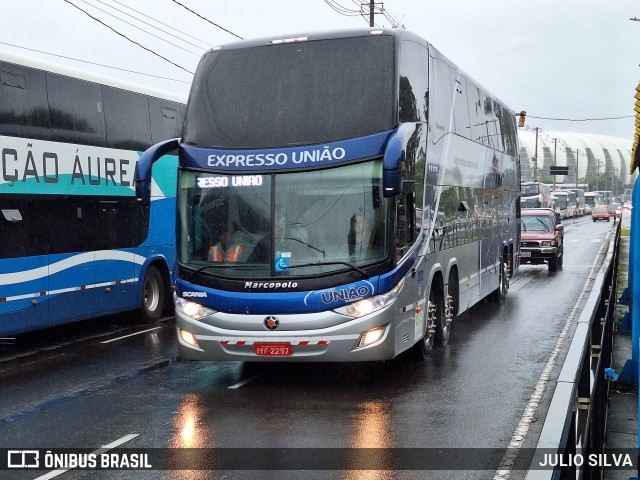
x,y
152,295
422,349
443,327
500,293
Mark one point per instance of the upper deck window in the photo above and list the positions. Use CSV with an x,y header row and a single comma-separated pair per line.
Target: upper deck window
x,y
292,94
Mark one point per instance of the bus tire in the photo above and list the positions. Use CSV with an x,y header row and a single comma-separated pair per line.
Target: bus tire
x,y
421,350
500,294
445,323
153,295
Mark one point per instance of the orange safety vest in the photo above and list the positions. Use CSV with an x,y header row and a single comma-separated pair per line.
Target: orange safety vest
x,y
216,254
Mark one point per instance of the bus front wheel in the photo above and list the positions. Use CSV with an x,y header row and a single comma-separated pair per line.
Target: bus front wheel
x,y
153,295
421,350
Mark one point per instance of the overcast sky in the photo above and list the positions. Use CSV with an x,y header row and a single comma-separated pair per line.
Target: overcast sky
x,y
570,59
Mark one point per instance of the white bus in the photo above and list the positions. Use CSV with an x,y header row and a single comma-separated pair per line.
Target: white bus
x,y
75,243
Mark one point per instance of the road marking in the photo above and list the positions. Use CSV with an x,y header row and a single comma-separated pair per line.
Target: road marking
x,y
240,384
529,415
43,359
131,335
103,449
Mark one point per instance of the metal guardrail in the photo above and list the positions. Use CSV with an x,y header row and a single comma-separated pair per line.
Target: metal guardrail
x,y
577,418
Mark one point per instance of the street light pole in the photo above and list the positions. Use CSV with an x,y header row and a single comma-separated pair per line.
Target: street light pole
x,y
577,168
535,159
555,146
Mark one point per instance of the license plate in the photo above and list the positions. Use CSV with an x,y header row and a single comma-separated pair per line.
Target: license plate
x,y
272,349
525,254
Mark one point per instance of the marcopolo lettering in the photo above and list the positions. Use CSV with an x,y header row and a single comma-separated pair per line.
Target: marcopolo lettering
x,y
269,285
317,155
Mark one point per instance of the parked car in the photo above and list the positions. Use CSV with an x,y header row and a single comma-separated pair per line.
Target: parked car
x,y
541,238
600,212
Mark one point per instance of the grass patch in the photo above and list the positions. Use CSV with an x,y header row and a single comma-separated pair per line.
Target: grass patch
x,y
625,232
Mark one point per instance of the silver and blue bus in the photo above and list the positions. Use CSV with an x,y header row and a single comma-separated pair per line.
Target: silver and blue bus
x,y
341,197
75,243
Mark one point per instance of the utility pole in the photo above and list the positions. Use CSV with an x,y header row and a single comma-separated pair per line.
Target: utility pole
x,y
555,146
535,159
372,12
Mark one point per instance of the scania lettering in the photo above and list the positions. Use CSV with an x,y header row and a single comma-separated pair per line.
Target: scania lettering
x,y
335,208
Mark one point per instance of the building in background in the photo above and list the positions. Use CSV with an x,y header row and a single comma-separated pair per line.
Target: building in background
x,y
602,161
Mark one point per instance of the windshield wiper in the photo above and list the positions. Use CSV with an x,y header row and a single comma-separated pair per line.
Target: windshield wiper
x,y
324,255
213,265
546,229
337,262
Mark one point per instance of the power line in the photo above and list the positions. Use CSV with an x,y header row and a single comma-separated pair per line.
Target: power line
x,y
364,10
146,23
347,12
141,29
206,20
124,36
162,23
94,63
580,119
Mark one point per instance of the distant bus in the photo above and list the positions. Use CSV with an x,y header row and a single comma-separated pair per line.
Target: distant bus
x,y
607,196
565,204
342,197
75,242
535,195
591,201
535,188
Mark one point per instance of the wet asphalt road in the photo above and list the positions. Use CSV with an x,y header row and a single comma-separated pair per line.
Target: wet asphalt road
x,y
97,382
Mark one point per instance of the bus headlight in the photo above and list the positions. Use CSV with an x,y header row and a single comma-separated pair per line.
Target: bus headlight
x,y
371,336
192,309
188,337
371,304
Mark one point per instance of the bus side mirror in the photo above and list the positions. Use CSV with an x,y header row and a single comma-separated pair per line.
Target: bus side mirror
x,y
394,155
142,174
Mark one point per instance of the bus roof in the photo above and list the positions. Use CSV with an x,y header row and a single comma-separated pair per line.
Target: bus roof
x,y
399,33
39,64
319,35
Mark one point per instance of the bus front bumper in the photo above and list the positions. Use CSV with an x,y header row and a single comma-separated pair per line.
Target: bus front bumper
x,y
202,340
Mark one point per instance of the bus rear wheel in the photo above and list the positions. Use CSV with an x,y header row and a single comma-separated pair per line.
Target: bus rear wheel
x,y
153,295
500,294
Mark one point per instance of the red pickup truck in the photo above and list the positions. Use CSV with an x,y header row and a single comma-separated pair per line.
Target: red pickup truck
x,y
541,238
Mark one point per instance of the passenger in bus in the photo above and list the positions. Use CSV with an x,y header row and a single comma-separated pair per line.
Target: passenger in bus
x,y
355,233
227,250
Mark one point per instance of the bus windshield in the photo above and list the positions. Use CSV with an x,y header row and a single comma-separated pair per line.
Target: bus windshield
x,y
258,226
292,94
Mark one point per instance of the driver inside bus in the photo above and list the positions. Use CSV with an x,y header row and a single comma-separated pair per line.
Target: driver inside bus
x,y
226,250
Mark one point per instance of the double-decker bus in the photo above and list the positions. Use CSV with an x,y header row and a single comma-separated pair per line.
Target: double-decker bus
x,y
76,244
341,197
